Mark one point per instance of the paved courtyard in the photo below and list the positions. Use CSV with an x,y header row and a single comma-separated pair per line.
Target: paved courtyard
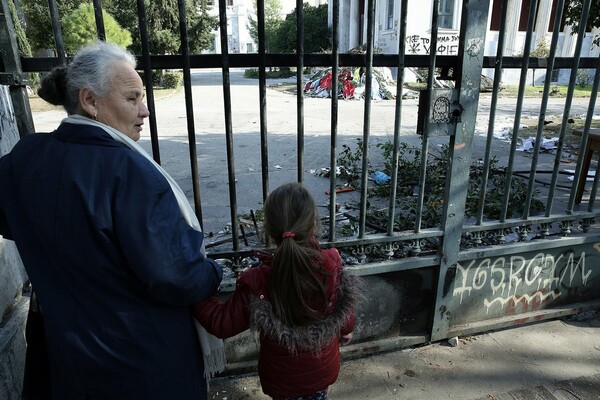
x,y
281,118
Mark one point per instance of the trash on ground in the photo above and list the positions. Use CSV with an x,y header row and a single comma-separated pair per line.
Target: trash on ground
x,y
545,146
381,178
590,175
343,189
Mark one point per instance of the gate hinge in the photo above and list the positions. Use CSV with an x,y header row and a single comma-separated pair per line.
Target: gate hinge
x,y
10,79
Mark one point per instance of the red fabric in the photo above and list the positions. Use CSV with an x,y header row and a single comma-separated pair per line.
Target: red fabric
x,y
281,374
348,89
325,82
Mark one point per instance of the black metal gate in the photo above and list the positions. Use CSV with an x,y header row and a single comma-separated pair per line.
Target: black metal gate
x,y
468,271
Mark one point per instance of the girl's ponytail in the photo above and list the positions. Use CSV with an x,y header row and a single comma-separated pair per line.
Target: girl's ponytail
x,y
296,283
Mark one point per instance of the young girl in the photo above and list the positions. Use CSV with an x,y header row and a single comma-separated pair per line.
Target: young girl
x,y
299,299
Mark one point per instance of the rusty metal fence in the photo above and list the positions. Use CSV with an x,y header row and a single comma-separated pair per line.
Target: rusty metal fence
x,y
469,271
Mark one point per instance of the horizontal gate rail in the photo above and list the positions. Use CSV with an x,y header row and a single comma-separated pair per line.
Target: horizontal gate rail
x,y
202,61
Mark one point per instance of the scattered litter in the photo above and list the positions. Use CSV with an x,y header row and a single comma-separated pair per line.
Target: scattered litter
x,y
546,145
453,341
338,171
503,134
343,189
277,166
381,178
350,260
590,175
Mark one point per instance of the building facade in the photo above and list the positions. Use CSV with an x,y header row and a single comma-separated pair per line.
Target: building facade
x,y
353,18
239,13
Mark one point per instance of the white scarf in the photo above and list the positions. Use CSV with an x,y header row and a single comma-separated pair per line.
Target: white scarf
x,y
212,347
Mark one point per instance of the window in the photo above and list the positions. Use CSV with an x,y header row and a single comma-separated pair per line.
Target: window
x,y
390,15
446,14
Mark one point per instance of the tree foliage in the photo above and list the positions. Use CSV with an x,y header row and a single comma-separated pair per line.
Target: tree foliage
x,y
38,23
573,11
317,35
162,17
273,21
22,43
79,29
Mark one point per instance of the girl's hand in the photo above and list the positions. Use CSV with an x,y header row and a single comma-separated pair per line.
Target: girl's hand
x,y
345,339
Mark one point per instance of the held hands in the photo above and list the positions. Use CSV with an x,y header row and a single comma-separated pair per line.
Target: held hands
x,y
345,339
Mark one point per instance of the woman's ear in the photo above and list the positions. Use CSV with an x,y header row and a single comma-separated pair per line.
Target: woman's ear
x,y
87,101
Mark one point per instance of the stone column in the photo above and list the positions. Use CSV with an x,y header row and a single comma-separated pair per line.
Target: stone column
x,y
355,25
542,22
512,27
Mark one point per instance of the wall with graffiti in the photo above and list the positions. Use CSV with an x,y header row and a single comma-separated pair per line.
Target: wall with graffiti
x,y
514,284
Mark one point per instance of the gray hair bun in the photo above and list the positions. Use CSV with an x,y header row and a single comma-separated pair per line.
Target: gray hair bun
x,y
53,88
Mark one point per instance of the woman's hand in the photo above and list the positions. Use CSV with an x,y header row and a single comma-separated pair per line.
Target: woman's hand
x,y
345,339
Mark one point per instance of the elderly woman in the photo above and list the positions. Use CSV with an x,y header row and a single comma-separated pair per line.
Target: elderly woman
x,y
109,241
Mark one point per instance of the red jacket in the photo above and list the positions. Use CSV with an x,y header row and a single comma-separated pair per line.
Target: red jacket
x,y
293,361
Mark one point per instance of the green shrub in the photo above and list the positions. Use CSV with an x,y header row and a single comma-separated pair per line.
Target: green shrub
x,y
583,78
172,80
282,72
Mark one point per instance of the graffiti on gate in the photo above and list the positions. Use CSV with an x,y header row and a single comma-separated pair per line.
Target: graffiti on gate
x,y
447,45
507,281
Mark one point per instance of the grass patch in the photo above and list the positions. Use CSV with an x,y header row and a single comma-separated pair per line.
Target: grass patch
x,y
538,91
530,91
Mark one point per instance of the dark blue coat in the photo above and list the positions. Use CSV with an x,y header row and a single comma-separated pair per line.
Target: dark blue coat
x,y
115,266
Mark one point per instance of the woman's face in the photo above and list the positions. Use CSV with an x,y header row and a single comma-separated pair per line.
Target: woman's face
x,y
123,108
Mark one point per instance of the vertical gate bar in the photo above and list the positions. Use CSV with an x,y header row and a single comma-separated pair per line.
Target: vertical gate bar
x,y
143,24
563,127
543,107
367,119
594,191
99,20
57,31
493,106
189,108
584,140
425,136
300,86
334,118
519,108
471,49
397,117
228,123
11,60
262,94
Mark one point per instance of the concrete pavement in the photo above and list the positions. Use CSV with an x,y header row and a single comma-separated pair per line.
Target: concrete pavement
x,y
551,360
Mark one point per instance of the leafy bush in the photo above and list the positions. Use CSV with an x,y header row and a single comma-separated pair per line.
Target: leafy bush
x,y
172,80
284,72
583,78
409,166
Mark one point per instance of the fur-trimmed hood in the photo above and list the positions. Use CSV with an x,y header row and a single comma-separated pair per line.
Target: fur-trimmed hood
x,y
317,335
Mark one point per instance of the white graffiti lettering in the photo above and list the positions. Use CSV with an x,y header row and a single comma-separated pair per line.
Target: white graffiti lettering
x,y
447,44
518,279
516,299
